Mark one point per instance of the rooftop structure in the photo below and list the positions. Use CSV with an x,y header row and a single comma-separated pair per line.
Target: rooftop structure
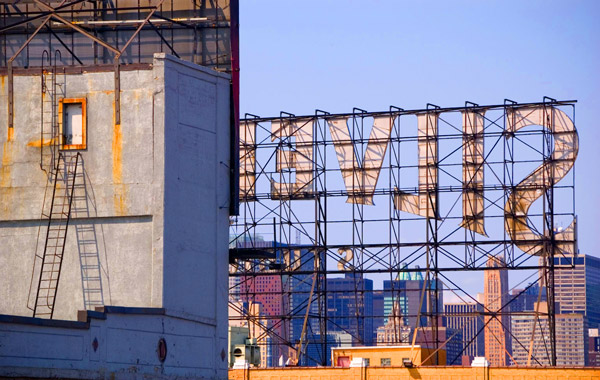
x,y
387,356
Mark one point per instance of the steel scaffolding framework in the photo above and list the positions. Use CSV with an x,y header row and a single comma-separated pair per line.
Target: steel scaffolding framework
x,y
330,195
84,35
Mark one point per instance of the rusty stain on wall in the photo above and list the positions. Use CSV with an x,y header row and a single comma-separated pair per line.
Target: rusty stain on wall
x,y
6,190
40,143
120,192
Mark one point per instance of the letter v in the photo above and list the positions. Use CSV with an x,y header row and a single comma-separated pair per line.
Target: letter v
x,y
360,180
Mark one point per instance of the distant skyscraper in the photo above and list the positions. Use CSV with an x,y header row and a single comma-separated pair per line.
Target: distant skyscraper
x,y
406,292
350,306
269,292
395,331
334,339
464,316
571,339
594,348
497,339
577,290
525,300
378,316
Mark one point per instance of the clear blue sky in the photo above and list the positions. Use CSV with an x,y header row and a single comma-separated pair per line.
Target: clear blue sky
x,y
335,55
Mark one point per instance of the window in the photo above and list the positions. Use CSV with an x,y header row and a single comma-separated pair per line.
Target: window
x,y
72,123
386,362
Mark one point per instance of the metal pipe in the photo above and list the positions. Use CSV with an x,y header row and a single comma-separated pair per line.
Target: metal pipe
x,y
127,22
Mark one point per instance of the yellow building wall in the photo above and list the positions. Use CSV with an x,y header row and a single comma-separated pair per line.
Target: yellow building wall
x,y
396,354
425,373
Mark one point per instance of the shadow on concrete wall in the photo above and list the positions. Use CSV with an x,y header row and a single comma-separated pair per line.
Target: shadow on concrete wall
x,y
83,209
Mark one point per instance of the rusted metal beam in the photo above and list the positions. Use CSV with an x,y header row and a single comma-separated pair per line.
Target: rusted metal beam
x,y
137,31
11,94
75,27
118,56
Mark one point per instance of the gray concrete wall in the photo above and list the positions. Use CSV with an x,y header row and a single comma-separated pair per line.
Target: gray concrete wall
x,y
123,192
127,341
156,191
153,211
196,201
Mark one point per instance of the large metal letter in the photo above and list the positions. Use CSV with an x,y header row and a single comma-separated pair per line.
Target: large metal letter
x,y
566,146
301,158
425,202
473,159
247,161
360,180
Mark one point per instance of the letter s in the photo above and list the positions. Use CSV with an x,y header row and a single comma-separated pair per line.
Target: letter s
x,y
566,146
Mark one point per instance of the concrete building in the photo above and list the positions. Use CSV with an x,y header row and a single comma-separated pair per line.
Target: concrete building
x,y
388,356
577,289
465,317
497,335
571,339
149,225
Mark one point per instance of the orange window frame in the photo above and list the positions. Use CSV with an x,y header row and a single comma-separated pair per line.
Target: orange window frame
x,y
61,103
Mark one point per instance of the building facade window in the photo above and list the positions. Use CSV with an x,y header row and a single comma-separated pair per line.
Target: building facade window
x,y
72,123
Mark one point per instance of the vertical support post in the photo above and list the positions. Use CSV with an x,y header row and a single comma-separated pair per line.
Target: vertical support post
x,y
10,96
117,91
234,182
553,246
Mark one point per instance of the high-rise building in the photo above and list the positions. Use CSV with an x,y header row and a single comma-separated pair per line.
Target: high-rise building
x,y
406,291
577,289
395,331
571,339
524,300
251,316
378,316
300,286
266,291
497,338
350,307
269,292
465,316
594,348
334,339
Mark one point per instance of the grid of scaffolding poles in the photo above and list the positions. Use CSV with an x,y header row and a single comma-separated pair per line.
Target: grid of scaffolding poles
x,y
438,194
91,32
83,35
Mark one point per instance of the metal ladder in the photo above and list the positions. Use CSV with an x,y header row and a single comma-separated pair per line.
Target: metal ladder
x,y
87,243
50,137
47,266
